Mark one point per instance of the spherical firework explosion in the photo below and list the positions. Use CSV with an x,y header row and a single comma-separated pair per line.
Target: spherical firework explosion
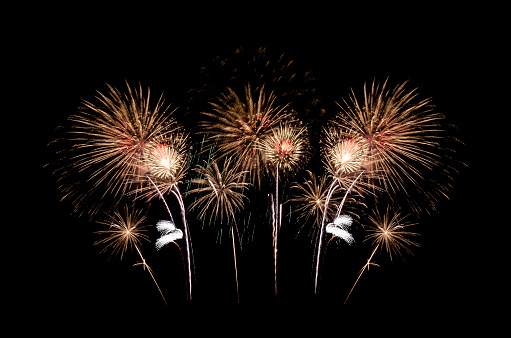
x,y
164,165
286,147
345,154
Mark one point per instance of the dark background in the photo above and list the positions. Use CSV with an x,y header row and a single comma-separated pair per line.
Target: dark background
x,y
450,54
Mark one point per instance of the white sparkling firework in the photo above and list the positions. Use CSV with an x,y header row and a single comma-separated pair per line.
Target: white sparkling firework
x,y
339,228
168,232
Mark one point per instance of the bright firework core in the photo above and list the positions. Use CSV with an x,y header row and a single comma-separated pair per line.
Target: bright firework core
x,y
286,147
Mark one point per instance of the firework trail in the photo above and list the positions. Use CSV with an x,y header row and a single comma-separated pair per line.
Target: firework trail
x,y
164,165
105,146
333,187
387,231
125,231
284,150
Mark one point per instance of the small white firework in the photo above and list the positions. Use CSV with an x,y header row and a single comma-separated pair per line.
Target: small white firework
x,y
339,228
168,232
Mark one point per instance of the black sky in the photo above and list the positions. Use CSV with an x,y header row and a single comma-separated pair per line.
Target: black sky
x,y
65,59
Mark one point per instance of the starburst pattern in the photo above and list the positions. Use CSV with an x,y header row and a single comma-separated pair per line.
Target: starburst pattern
x,y
285,147
164,165
346,154
125,231
389,231
403,135
220,190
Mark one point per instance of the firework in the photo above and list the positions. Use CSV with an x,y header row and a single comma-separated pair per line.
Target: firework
x,y
338,217
346,153
163,166
168,232
340,228
222,194
106,143
387,231
260,67
220,190
126,232
311,196
403,136
286,147
283,150
237,126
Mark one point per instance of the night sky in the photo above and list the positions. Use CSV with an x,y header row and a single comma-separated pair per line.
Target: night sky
x,y
69,58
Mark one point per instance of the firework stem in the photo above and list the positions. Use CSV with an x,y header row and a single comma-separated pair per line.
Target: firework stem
x,y
331,190
366,266
235,264
162,198
176,193
150,272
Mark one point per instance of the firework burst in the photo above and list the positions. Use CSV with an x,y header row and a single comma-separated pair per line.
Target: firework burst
x,y
126,232
237,126
222,193
310,197
105,146
220,190
387,231
285,147
283,150
403,136
346,154
164,165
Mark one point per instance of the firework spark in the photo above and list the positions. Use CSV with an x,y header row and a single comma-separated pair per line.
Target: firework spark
x,y
238,126
107,142
387,231
126,232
